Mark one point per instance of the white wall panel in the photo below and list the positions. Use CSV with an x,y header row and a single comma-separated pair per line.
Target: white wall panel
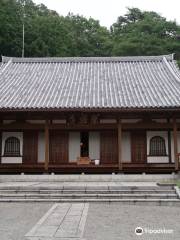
x,y
126,147
74,146
94,145
41,147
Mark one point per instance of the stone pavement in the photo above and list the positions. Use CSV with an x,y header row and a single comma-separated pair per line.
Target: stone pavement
x,y
62,221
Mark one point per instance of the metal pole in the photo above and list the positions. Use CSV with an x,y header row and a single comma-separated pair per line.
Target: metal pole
x,y
23,43
23,31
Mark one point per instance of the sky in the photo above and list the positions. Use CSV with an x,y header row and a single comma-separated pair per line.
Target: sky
x,y
107,11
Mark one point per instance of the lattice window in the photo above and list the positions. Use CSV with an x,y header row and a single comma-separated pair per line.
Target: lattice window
x,y
12,147
157,146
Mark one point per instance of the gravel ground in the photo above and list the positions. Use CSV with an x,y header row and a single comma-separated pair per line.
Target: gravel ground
x,y
16,219
115,221
104,221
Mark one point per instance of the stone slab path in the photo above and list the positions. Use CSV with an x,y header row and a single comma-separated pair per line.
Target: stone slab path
x,y
63,221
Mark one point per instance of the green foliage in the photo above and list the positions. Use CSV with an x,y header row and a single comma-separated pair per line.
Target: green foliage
x,y
49,34
144,33
178,62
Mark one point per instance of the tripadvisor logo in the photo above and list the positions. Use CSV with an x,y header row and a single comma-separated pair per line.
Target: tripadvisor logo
x,y
139,231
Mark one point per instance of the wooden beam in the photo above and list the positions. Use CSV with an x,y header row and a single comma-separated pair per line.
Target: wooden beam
x,y
21,126
83,127
46,145
142,125
176,158
119,145
125,126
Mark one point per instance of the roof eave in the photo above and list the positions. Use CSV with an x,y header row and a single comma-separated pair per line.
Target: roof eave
x,y
149,109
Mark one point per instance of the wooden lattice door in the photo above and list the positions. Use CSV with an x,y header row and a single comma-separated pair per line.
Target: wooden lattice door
x,y
138,146
30,147
58,147
109,147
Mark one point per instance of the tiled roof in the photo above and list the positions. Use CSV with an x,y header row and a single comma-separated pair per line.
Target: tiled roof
x,y
97,82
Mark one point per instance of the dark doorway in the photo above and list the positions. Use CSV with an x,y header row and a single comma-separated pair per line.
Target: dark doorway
x,y
84,144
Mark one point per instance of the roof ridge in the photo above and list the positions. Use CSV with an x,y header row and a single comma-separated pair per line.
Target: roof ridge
x,y
173,72
169,57
4,66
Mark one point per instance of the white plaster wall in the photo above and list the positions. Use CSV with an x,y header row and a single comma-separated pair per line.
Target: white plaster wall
x,y
158,159
60,121
6,160
172,145
94,145
8,121
160,120
41,147
6,135
74,146
36,121
108,121
126,146
130,120
177,120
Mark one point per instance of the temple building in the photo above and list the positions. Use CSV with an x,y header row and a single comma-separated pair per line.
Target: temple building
x,y
90,114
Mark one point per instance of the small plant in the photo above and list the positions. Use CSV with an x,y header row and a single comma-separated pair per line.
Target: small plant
x,y
178,183
178,63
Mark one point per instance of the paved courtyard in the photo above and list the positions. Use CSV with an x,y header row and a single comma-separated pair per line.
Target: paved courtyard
x,y
80,221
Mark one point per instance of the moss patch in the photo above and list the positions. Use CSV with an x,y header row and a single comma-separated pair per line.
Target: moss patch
x,y
178,183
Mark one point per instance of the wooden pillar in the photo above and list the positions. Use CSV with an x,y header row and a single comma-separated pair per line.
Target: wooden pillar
x,y
176,158
169,143
0,146
46,145
169,146
120,167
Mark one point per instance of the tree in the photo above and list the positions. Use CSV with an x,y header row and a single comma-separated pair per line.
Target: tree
x,y
49,34
145,33
10,30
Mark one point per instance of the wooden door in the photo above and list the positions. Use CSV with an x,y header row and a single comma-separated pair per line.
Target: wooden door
x,y
108,147
58,147
138,147
0,146
30,147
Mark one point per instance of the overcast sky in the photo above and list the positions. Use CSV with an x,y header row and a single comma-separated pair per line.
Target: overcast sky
x,y
107,11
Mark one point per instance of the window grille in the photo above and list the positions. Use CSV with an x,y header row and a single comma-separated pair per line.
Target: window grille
x,y
157,146
12,147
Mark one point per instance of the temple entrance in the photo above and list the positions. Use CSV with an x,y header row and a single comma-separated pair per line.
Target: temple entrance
x,y
84,144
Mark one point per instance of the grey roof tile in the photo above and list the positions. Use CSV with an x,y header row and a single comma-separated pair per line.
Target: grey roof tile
x,y
97,82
